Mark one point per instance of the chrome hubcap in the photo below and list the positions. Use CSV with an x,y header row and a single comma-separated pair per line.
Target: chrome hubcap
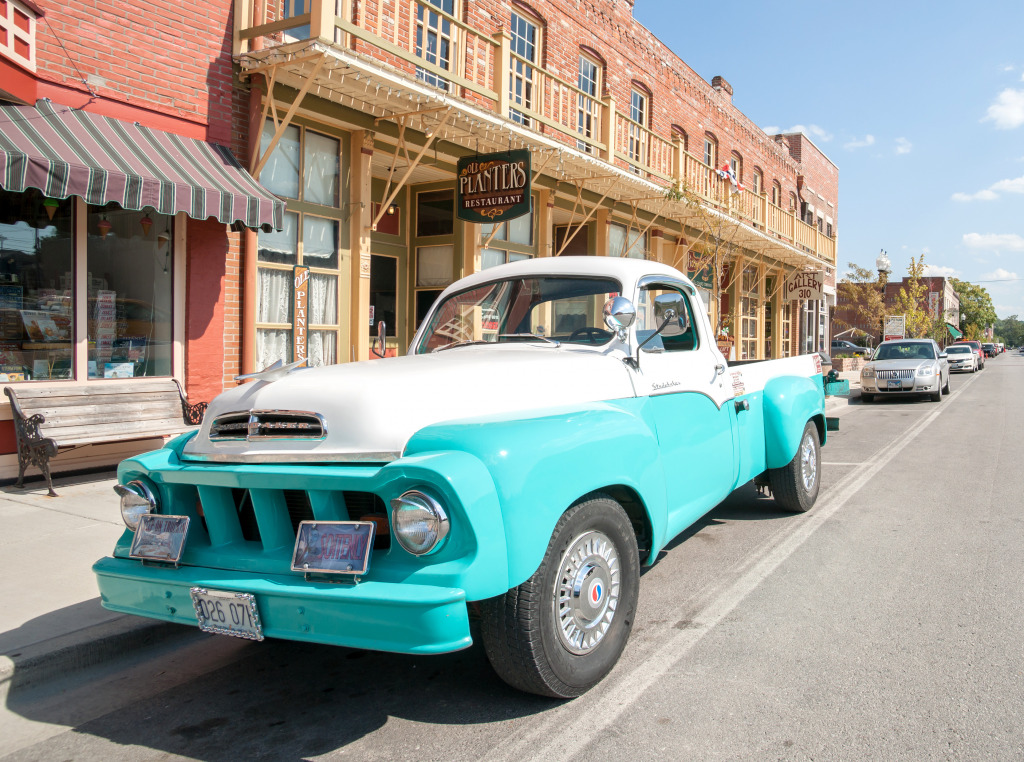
x,y
808,463
586,592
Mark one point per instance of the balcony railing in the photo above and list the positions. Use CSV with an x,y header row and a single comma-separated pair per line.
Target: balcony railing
x,y
427,44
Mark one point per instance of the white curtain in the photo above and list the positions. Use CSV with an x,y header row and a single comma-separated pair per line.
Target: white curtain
x,y
280,175
323,299
321,172
272,344
322,345
274,302
434,266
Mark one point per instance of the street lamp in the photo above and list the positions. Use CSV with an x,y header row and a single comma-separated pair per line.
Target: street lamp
x,y
884,267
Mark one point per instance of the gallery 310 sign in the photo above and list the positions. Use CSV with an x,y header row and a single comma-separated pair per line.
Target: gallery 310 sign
x,y
805,286
493,187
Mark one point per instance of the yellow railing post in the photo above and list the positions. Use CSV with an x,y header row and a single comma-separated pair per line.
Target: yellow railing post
x,y
321,19
243,20
502,70
677,162
608,129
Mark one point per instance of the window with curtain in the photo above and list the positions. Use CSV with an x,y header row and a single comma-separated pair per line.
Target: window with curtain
x,y
626,242
305,166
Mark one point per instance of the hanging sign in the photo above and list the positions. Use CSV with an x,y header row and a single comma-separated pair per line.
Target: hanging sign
x,y
300,313
805,286
703,277
493,187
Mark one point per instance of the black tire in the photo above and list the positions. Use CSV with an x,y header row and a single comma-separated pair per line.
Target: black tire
x,y
867,397
945,389
936,396
795,486
524,631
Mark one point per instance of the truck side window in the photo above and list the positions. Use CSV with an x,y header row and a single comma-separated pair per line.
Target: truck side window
x,y
679,336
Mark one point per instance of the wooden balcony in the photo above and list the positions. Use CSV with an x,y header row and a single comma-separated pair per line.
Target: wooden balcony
x,y
416,42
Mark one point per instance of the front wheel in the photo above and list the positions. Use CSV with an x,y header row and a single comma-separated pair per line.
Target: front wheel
x,y
560,632
795,485
945,389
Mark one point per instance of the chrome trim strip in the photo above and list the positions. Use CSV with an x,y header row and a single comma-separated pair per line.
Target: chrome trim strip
x,y
253,423
296,457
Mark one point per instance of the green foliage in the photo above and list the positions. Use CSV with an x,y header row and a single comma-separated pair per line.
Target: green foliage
x,y
863,294
1010,331
975,308
912,301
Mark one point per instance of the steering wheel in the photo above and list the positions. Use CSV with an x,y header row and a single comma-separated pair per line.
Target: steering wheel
x,y
592,335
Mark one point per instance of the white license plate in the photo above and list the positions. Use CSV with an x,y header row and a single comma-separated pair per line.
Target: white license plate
x,y
895,384
227,613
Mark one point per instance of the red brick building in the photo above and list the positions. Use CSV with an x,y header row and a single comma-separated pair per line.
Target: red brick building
x,y
357,115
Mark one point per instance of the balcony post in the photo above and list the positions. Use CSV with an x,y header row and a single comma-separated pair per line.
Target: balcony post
x,y
243,20
608,129
321,19
502,71
677,162
763,201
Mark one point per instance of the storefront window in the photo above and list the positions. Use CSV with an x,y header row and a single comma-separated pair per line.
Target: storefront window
x,y
128,264
280,174
36,287
626,242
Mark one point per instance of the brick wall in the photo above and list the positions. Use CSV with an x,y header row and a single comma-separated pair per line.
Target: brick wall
x,y
165,56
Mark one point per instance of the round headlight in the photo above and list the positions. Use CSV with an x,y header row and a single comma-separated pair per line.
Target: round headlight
x,y
419,522
136,501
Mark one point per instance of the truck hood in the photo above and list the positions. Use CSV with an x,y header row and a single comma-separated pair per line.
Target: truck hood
x,y
369,410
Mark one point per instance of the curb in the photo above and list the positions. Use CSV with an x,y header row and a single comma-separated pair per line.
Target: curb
x,y
88,647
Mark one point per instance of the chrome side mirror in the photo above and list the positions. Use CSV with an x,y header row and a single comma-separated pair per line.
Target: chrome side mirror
x,y
619,314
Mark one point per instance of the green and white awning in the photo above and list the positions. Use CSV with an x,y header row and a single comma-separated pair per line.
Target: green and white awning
x,y
955,332
69,152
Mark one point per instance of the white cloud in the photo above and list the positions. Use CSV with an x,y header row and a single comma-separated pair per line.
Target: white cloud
x,y
939,271
991,193
1008,110
982,195
1010,186
811,130
869,140
994,241
999,274
903,145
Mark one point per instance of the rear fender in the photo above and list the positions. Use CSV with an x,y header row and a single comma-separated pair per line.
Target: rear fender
x,y
789,403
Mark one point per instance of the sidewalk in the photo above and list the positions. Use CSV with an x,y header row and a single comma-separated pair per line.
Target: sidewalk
x,y
51,621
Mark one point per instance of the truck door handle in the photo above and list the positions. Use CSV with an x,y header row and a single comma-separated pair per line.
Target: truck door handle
x,y
719,369
741,405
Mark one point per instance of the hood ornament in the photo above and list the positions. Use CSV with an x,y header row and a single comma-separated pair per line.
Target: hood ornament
x,y
273,372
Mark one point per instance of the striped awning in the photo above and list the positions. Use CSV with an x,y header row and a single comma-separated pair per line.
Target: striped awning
x,y
68,152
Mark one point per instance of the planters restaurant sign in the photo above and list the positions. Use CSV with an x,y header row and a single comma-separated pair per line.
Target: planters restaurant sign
x,y
494,187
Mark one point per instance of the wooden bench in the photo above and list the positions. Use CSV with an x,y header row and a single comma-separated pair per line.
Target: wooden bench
x,y
52,417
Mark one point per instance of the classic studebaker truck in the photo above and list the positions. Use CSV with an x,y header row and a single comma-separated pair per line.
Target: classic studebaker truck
x,y
555,424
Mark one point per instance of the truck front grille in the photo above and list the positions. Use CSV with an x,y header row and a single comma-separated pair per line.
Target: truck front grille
x,y
892,374
268,424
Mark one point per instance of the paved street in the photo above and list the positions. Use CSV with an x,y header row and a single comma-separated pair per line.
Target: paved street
x,y
884,624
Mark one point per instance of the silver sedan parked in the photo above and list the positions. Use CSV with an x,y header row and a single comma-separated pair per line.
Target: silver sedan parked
x,y
905,366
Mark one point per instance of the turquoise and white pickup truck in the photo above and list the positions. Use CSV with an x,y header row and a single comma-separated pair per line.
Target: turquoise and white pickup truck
x,y
556,423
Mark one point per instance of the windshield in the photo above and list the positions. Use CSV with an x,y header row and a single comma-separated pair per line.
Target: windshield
x,y
958,350
565,309
904,351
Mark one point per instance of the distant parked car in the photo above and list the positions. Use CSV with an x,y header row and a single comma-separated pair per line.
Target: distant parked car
x,y
906,366
962,357
990,349
840,346
976,346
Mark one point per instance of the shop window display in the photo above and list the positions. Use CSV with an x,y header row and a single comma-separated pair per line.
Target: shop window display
x,y
129,275
36,287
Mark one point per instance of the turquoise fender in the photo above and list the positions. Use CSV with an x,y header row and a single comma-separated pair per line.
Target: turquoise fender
x,y
543,463
789,403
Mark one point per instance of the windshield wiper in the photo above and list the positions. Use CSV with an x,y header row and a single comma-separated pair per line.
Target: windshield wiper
x,y
528,336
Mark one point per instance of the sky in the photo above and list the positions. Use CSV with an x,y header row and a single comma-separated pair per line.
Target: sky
x,y
920,105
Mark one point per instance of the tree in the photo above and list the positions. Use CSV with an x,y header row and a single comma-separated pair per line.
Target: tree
x,y
912,301
1010,331
861,293
976,310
